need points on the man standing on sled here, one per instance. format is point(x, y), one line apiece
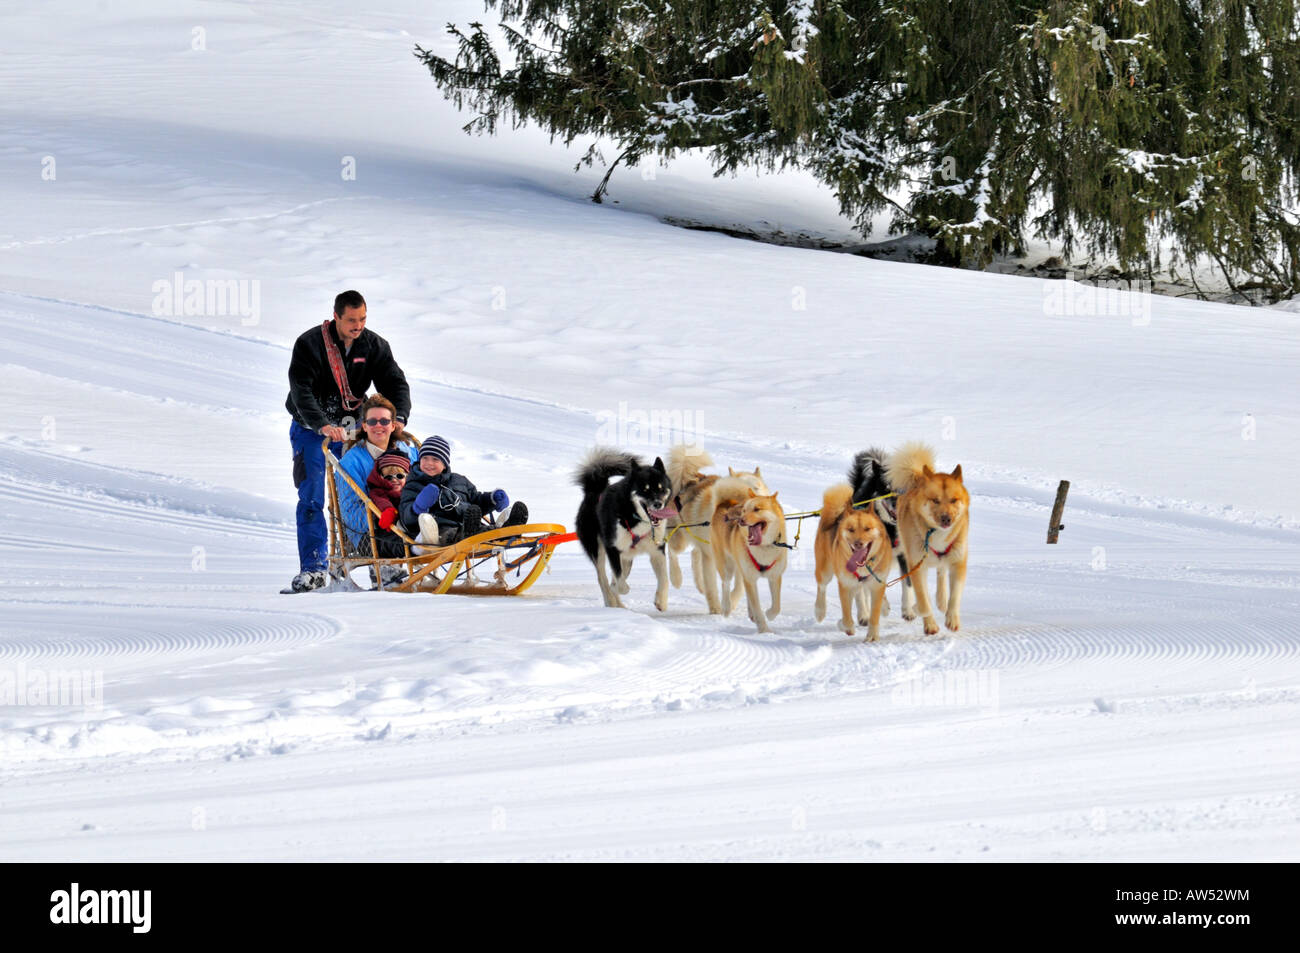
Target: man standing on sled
point(331, 368)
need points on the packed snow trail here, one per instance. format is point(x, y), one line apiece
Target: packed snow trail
point(1085, 710)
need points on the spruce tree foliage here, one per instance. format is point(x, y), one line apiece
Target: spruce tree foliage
point(1109, 126)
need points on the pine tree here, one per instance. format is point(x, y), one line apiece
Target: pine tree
point(1114, 125)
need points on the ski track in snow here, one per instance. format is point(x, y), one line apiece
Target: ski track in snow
point(1163, 631)
point(555, 655)
point(90, 635)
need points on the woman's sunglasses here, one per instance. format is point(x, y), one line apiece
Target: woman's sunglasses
point(379, 421)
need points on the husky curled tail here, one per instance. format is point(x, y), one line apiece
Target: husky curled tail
point(907, 464)
point(866, 464)
point(685, 463)
point(835, 502)
point(600, 464)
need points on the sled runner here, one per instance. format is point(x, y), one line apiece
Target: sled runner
point(499, 562)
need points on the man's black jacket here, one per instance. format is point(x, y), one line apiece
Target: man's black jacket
point(314, 398)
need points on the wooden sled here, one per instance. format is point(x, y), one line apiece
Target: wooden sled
point(500, 562)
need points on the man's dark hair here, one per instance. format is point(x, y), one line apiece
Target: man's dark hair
point(348, 299)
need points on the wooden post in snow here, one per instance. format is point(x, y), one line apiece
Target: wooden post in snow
point(1058, 510)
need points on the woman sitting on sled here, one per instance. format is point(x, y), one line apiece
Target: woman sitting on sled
point(375, 441)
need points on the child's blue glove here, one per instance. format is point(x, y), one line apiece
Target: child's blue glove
point(425, 499)
point(499, 500)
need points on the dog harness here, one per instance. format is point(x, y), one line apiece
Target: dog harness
point(864, 578)
point(757, 565)
point(635, 538)
point(935, 551)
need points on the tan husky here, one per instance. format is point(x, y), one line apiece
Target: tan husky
point(933, 522)
point(695, 496)
point(747, 534)
point(853, 549)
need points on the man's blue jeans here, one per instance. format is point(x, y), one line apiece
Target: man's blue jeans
point(309, 478)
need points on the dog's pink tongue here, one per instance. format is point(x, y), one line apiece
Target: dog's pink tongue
point(755, 534)
point(668, 512)
point(859, 558)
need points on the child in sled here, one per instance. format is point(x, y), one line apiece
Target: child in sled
point(384, 487)
point(444, 507)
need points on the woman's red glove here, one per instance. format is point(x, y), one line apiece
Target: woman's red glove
point(387, 518)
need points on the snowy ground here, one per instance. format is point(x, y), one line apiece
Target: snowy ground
point(1131, 693)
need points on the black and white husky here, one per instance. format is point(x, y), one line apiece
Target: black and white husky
point(867, 477)
point(620, 521)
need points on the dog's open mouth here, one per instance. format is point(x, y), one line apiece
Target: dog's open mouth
point(756, 533)
point(663, 513)
point(859, 557)
point(891, 507)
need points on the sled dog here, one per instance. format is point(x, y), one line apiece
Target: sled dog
point(867, 477)
point(694, 497)
point(747, 534)
point(853, 548)
point(619, 521)
point(933, 522)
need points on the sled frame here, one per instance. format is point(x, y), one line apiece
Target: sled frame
point(514, 555)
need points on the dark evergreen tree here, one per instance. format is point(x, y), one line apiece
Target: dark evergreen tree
point(1113, 125)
